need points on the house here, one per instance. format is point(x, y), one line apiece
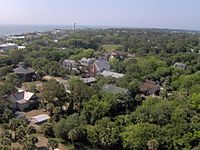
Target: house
point(101, 64)
point(23, 100)
point(25, 73)
point(117, 55)
point(86, 61)
point(89, 80)
point(97, 67)
point(106, 73)
point(8, 46)
point(40, 119)
point(149, 88)
point(70, 64)
point(179, 65)
point(114, 89)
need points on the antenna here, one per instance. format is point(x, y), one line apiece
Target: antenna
point(74, 26)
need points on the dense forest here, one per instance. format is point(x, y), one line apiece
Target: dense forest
point(85, 116)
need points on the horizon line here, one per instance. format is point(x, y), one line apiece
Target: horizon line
point(104, 26)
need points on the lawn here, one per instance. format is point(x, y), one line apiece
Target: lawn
point(35, 113)
point(111, 47)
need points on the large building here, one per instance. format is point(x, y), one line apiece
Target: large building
point(8, 46)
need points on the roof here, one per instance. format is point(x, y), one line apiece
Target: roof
point(114, 89)
point(23, 70)
point(69, 61)
point(112, 74)
point(180, 65)
point(8, 44)
point(40, 118)
point(102, 64)
point(89, 80)
point(150, 86)
point(22, 97)
point(86, 61)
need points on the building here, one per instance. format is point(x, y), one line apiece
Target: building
point(114, 89)
point(23, 100)
point(8, 46)
point(89, 80)
point(149, 88)
point(101, 64)
point(25, 73)
point(70, 64)
point(40, 119)
point(21, 47)
point(179, 65)
point(86, 61)
point(116, 75)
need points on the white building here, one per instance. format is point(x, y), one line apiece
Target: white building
point(8, 46)
point(21, 47)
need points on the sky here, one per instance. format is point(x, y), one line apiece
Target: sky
point(176, 14)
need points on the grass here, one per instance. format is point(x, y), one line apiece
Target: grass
point(111, 47)
point(35, 113)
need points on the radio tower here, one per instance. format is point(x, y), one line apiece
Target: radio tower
point(74, 26)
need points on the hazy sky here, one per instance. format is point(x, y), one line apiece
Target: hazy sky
point(184, 14)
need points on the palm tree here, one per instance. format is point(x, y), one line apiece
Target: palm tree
point(49, 108)
point(13, 125)
point(152, 145)
point(29, 142)
point(52, 143)
point(73, 135)
point(6, 138)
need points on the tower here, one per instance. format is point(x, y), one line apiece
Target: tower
point(74, 26)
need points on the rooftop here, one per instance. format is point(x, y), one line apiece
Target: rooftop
point(114, 89)
point(22, 96)
point(89, 80)
point(23, 70)
point(8, 44)
point(40, 118)
point(112, 74)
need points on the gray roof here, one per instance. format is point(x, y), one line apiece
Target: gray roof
point(73, 63)
point(106, 73)
point(89, 80)
point(23, 70)
point(114, 89)
point(22, 97)
point(40, 118)
point(102, 64)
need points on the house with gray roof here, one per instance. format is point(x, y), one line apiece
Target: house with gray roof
point(25, 73)
point(101, 64)
point(23, 100)
point(86, 61)
point(110, 88)
point(70, 64)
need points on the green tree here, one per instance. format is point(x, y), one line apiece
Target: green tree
point(137, 136)
point(95, 109)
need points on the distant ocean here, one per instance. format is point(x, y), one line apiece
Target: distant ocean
point(17, 29)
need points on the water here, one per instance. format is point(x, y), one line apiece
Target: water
point(17, 29)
